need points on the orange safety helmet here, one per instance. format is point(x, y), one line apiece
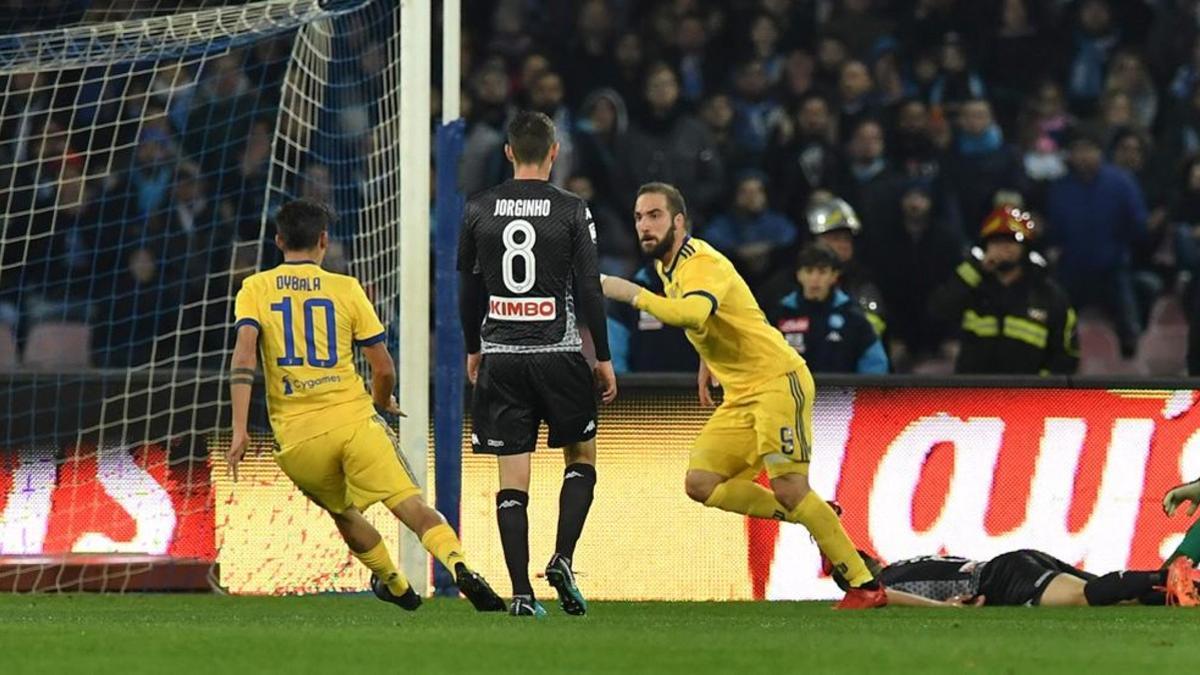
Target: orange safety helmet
point(1009, 222)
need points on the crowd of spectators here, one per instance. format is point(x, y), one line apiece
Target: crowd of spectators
point(922, 115)
point(919, 116)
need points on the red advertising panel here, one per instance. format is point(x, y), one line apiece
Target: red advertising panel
point(104, 500)
point(977, 472)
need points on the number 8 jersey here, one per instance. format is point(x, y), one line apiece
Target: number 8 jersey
point(309, 321)
point(527, 252)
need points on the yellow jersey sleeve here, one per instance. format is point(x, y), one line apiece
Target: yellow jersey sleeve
point(728, 329)
point(245, 308)
point(368, 330)
point(700, 287)
point(702, 275)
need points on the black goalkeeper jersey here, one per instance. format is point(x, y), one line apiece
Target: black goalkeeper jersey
point(527, 259)
point(934, 577)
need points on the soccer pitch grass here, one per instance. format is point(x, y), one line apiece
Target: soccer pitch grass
point(357, 634)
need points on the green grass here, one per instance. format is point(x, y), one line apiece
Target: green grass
point(172, 634)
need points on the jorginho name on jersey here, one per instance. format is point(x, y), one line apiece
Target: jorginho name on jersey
point(527, 250)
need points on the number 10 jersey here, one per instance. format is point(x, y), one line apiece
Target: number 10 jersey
point(309, 321)
point(527, 252)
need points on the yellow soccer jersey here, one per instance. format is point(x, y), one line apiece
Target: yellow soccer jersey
point(741, 349)
point(309, 321)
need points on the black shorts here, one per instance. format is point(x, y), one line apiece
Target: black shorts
point(515, 393)
point(1020, 577)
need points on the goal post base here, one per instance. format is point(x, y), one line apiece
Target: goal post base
point(107, 574)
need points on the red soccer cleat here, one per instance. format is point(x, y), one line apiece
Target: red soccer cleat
point(1181, 590)
point(863, 598)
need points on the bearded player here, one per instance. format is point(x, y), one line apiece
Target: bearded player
point(765, 419)
point(331, 443)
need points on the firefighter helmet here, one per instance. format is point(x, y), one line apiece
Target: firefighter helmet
point(832, 214)
point(1009, 222)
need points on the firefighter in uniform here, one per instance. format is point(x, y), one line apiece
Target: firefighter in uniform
point(1012, 317)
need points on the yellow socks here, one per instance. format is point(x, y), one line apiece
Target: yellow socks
point(821, 521)
point(748, 497)
point(379, 561)
point(443, 544)
point(752, 499)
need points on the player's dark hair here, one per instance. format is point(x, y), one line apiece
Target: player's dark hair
point(301, 222)
point(675, 203)
point(530, 136)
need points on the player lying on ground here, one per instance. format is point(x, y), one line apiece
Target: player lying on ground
point(331, 443)
point(1025, 577)
point(527, 256)
point(766, 417)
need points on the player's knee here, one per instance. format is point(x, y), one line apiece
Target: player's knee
point(341, 520)
point(417, 515)
point(789, 493)
point(699, 486)
point(583, 451)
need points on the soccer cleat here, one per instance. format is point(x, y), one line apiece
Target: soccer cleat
point(864, 598)
point(476, 588)
point(1181, 590)
point(409, 600)
point(560, 576)
point(526, 605)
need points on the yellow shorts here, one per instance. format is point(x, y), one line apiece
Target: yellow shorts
point(770, 426)
point(356, 465)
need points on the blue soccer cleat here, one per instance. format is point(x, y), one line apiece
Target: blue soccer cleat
point(562, 578)
point(526, 605)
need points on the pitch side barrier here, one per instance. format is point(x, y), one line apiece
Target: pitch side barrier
point(969, 465)
point(974, 466)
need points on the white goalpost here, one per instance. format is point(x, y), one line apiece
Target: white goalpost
point(415, 44)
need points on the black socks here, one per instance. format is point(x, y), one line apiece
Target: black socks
point(574, 501)
point(513, 520)
point(1117, 587)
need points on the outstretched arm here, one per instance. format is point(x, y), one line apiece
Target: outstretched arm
point(690, 311)
point(902, 599)
point(703, 287)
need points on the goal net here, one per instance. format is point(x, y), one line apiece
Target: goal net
point(143, 150)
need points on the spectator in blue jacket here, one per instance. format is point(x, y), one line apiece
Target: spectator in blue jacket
point(1097, 213)
point(752, 235)
point(823, 323)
